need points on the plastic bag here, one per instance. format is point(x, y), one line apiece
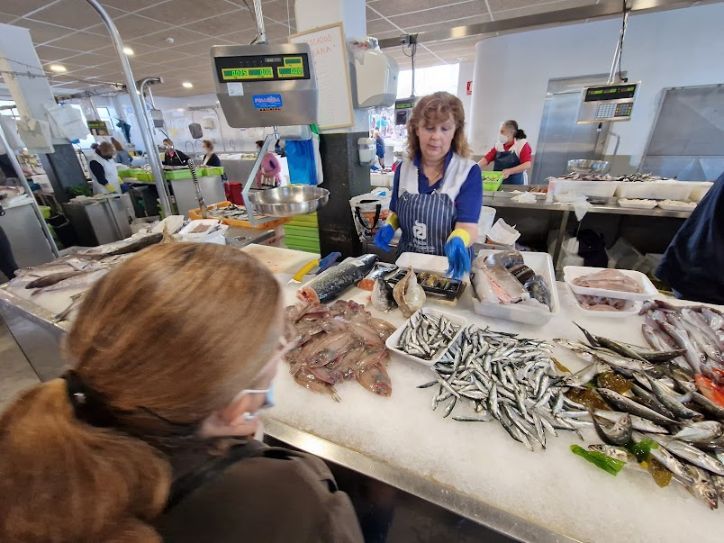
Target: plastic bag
point(301, 161)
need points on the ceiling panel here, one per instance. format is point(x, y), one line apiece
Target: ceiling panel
point(157, 40)
point(224, 24)
point(21, 7)
point(162, 56)
point(508, 9)
point(7, 17)
point(374, 28)
point(198, 48)
point(77, 14)
point(42, 32)
point(133, 26)
point(483, 18)
point(47, 53)
point(398, 7)
point(131, 5)
point(440, 15)
point(138, 49)
point(277, 10)
point(81, 41)
point(181, 12)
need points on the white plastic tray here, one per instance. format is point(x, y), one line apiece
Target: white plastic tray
point(635, 203)
point(421, 262)
point(391, 342)
point(541, 264)
point(655, 190)
point(675, 205)
point(558, 187)
point(632, 310)
point(699, 189)
point(572, 272)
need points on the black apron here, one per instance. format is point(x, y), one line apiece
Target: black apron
point(505, 160)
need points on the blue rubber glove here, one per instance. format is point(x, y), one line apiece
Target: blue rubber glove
point(458, 254)
point(384, 237)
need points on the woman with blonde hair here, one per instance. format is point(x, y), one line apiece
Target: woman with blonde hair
point(437, 191)
point(149, 436)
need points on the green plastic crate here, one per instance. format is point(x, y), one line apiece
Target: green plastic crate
point(301, 231)
point(304, 220)
point(213, 170)
point(492, 180)
point(301, 244)
point(175, 175)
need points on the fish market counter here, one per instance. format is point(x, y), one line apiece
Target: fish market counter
point(473, 469)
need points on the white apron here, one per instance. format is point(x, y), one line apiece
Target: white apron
point(111, 172)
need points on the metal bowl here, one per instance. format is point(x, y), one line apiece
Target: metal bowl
point(289, 200)
point(583, 165)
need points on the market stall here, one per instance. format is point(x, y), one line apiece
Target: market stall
point(472, 468)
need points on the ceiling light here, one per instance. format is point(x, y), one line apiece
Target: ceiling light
point(58, 68)
point(187, 85)
point(128, 51)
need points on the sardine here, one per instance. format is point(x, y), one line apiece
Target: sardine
point(682, 339)
point(708, 406)
point(690, 453)
point(672, 404)
point(700, 432)
point(632, 407)
point(334, 281)
point(618, 434)
point(668, 460)
point(703, 486)
point(637, 423)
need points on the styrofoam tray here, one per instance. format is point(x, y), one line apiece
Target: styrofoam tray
point(541, 264)
point(632, 310)
point(675, 205)
point(392, 341)
point(635, 203)
point(558, 187)
point(699, 189)
point(655, 190)
point(421, 262)
point(572, 272)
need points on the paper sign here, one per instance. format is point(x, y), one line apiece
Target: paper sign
point(235, 89)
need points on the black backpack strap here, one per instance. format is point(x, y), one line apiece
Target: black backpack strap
point(208, 471)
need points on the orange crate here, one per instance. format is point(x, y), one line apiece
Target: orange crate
point(195, 214)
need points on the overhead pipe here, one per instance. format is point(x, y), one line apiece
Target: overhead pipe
point(138, 109)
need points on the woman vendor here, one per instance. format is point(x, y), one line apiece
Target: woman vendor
point(437, 191)
point(511, 155)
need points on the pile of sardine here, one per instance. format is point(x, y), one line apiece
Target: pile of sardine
point(492, 375)
point(645, 395)
point(426, 334)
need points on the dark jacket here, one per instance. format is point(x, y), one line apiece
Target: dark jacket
point(179, 158)
point(693, 264)
point(213, 162)
point(276, 495)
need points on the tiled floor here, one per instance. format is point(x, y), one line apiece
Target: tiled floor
point(15, 372)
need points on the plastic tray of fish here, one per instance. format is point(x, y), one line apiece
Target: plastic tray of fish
point(434, 284)
point(630, 308)
point(648, 290)
point(525, 312)
point(456, 326)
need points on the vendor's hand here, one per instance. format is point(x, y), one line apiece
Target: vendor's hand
point(384, 237)
point(506, 173)
point(458, 254)
point(110, 188)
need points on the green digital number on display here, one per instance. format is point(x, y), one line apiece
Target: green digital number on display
point(247, 74)
point(292, 60)
point(289, 71)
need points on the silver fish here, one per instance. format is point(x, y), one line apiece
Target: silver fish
point(703, 487)
point(690, 453)
point(700, 432)
point(682, 339)
point(614, 452)
point(632, 407)
point(334, 281)
point(382, 298)
point(669, 461)
point(638, 423)
point(618, 434)
point(672, 404)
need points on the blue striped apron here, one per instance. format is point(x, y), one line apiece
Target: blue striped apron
point(426, 221)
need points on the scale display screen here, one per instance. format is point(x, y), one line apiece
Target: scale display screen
point(262, 68)
point(610, 92)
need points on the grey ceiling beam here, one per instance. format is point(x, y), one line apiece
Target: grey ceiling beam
point(605, 8)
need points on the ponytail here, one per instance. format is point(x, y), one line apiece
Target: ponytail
point(517, 132)
point(66, 481)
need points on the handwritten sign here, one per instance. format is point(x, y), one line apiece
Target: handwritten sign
point(331, 66)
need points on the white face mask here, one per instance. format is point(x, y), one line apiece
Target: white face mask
point(502, 138)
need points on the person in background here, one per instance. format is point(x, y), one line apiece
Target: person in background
point(123, 449)
point(210, 158)
point(104, 174)
point(437, 192)
point(172, 157)
point(122, 156)
point(270, 170)
point(511, 155)
point(380, 148)
point(693, 264)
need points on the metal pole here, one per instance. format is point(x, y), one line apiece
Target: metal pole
point(26, 186)
point(618, 51)
point(143, 87)
point(138, 109)
point(259, 22)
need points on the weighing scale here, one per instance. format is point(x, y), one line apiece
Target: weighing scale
point(403, 110)
point(267, 85)
point(606, 103)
